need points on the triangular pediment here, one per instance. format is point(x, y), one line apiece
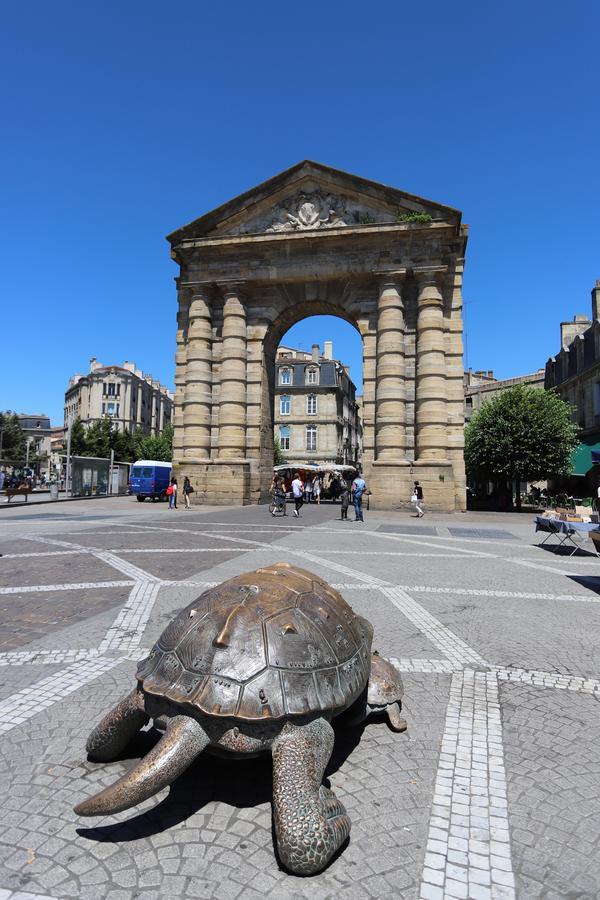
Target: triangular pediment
point(311, 196)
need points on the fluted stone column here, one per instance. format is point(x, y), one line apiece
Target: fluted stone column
point(431, 416)
point(180, 364)
point(390, 416)
point(369, 347)
point(197, 401)
point(232, 401)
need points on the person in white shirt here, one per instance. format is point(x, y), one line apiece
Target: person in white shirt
point(298, 492)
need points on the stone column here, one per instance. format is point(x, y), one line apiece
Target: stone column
point(232, 400)
point(180, 363)
point(431, 416)
point(197, 401)
point(390, 415)
point(369, 343)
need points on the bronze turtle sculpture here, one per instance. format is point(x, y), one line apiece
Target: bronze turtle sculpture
point(261, 663)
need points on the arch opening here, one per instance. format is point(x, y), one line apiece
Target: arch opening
point(315, 388)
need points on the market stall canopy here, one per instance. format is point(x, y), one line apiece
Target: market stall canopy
point(582, 458)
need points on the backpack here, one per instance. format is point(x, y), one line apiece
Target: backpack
point(169, 490)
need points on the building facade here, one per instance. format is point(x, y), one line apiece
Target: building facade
point(316, 414)
point(481, 386)
point(38, 434)
point(316, 241)
point(575, 374)
point(124, 394)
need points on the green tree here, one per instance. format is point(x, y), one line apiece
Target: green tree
point(278, 454)
point(522, 434)
point(154, 446)
point(99, 437)
point(78, 441)
point(13, 438)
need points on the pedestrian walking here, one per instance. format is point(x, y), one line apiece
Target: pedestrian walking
point(187, 490)
point(359, 486)
point(417, 499)
point(308, 491)
point(316, 487)
point(345, 498)
point(298, 492)
point(172, 493)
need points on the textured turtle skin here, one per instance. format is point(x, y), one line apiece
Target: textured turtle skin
point(272, 644)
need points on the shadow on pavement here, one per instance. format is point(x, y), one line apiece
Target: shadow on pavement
point(239, 783)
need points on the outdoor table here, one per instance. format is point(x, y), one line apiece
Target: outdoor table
point(565, 531)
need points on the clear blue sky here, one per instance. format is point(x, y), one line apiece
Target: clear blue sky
point(122, 121)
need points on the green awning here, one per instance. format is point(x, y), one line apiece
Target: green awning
point(581, 458)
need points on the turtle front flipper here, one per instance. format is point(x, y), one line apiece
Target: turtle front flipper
point(310, 822)
point(117, 728)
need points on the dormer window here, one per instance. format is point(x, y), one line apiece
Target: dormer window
point(312, 376)
point(285, 376)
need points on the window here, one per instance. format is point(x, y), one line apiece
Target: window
point(285, 405)
point(311, 437)
point(311, 405)
point(285, 376)
point(111, 390)
point(284, 437)
point(118, 387)
point(312, 376)
point(110, 409)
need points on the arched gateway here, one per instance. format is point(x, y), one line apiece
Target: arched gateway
point(309, 241)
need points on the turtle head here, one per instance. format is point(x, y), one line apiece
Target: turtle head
point(385, 691)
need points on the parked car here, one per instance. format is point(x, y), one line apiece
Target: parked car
point(150, 478)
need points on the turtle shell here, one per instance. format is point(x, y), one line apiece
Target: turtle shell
point(273, 643)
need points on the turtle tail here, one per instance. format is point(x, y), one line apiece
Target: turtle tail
point(184, 739)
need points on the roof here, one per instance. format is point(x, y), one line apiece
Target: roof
point(331, 178)
point(152, 462)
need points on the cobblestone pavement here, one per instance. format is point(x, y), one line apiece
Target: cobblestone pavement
point(492, 793)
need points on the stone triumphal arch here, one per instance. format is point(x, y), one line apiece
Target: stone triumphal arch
point(315, 240)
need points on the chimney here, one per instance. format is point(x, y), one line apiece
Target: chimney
point(94, 364)
point(490, 374)
point(328, 347)
point(316, 352)
point(130, 366)
point(570, 330)
point(596, 301)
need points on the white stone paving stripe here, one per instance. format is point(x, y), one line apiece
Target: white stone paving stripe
point(477, 592)
point(424, 665)
point(557, 680)
point(325, 552)
point(126, 631)
point(455, 649)
point(468, 847)
point(122, 565)
point(76, 586)
point(43, 553)
point(44, 657)
point(25, 704)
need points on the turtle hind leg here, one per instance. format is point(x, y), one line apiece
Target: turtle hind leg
point(117, 728)
point(310, 822)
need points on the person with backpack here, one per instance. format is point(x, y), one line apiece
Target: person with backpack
point(345, 498)
point(417, 499)
point(172, 493)
point(187, 490)
point(359, 486)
